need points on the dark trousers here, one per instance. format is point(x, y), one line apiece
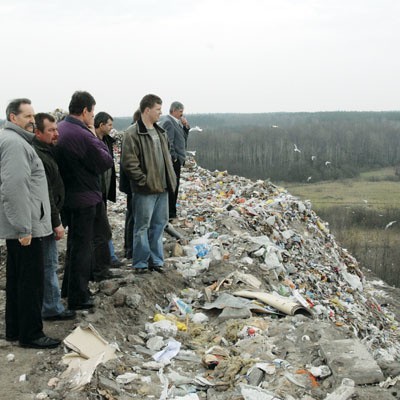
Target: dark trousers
point(128, 234)
point(101, 237)
point(24, 290)
point(173, 195)
point(79, 256)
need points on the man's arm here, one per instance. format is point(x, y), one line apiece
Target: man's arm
point(98, 158)
point(168, 125)
point(58, 228)
point(186, 127)
point(14, 189)
point(130, 161)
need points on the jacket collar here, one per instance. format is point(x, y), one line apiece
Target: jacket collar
point(76, 121)
point(143, 130)
point(174, 120)
point(28, 136)
point(42, 145)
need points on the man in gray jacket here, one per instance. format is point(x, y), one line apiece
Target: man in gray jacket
point(24, 221)
point(177, 128)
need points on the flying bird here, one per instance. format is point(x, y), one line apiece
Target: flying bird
point(196, 129)
point(297, 149)
point(274, 126)
point(390, 224)
point(313, 158)
point(327, 163)
point(309, 178)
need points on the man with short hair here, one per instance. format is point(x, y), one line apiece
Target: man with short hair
point(81, 157)
point(103, 246)
point(177, 128)
point(125, 187)
point(46, 135)
point(24, 221)
point(147, 163)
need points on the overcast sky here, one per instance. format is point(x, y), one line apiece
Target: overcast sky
point(212, 55)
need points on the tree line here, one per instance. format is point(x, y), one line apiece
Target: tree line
point(294, 147)
point(297, 147)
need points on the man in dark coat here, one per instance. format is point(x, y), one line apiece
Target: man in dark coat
point(82, 157)
point(46, 135)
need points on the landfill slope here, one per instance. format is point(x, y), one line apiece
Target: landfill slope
point(240, 236)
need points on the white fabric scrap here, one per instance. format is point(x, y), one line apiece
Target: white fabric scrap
point(169, 352)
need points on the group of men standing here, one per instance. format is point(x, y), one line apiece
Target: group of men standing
point(44, 187)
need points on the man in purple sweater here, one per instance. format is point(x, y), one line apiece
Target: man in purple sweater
point(82, 157)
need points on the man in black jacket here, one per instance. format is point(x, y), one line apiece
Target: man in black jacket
point(46, 135)
point(103, 245)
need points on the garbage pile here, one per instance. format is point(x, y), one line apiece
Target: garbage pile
point(260, 291)
point(260, 225)
point(258, 302)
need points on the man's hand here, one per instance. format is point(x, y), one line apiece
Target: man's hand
point(185, 122)
point(91, 129)
point(25, 241)
point(59, 232)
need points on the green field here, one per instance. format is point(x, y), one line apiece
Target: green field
point(358, 210)
point(377, 190)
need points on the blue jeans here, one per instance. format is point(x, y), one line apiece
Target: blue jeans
point(113, 256)
point(151, 217)
point(51, 291)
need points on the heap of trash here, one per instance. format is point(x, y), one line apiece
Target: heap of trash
point(257, 302)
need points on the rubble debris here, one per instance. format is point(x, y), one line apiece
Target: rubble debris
point(246, 237)
point(348, 358)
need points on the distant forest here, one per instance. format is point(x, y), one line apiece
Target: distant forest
point(295, 147)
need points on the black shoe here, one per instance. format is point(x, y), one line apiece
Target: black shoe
point(43, 342)
point(157, 268)
point(82, 306)
point(66, 314)
point(11, 338)
point(141, 270)
point(117, 264)
point(106, 277)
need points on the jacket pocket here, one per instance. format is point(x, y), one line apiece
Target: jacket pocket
point(41, 211)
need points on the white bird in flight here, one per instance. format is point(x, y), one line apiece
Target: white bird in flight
point(309, 178)
point(327, 163)
point(297, 149)
point(313, 158)
point(196, 129)
point(390, 224)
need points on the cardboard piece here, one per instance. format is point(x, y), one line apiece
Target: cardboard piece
point(89, 350)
